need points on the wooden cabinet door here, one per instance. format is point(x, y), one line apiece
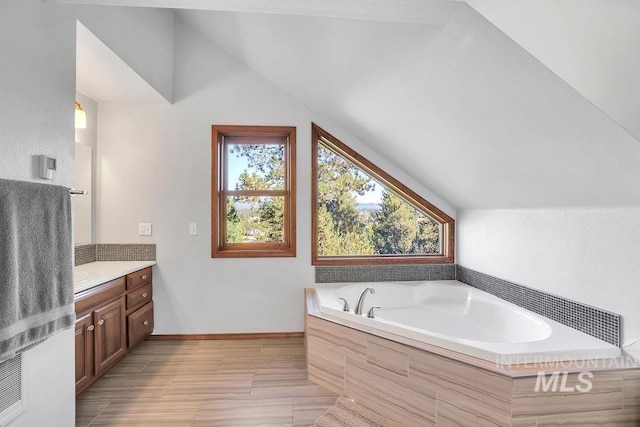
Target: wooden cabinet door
point(84, 351)
point(110, 334)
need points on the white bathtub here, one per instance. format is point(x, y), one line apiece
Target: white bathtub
point(459, 317)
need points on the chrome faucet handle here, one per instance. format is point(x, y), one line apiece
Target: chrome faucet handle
point(345, 306)
point(370, 313)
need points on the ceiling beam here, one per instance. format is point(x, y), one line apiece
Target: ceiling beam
point(436, 12)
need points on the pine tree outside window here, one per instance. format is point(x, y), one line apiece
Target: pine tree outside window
point(253, 191)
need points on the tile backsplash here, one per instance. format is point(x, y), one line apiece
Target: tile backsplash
point(591, 320)
point(114, 252)
point(384, 273)
point(84, 254)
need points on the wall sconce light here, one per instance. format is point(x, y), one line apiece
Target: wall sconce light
point(81, 117)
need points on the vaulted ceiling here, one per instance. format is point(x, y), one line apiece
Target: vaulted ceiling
point(447, 96)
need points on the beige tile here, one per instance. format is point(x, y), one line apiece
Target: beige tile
point(199, 386)
point(307, 409)
point(120, 388)
point(619, 418)
point(337, 338)
point(631, 389)
point(249, 411)
point(220, 375)
point(326, 373)
point(461, 414)
point(397, 398)
point(150, 413)
point(462, 382)
point(524, 422)
point(87, 410)
point(605, 394)
point(286, 385)
point(388, 355)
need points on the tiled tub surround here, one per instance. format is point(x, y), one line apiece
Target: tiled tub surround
point(424, 385)
point(456, 316)
point(85, 254)
point(593, 321)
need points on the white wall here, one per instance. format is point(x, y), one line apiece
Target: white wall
point(154, 165)
point(37, 87)
point(584, 254)
point(141, 37)
point(37, 90)
point(593, 45)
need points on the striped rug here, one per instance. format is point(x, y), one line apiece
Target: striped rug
point(347, 413)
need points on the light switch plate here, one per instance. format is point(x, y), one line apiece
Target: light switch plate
point(193, 228)
point(144, 229)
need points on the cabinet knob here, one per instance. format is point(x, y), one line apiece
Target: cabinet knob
point(101, 322)
point(90, 328)
point(146, 323)
point(144, 295)
point(144, 277)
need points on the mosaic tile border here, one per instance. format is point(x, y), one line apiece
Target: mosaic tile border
point(125, 252)
point(384, 273)
point(85, 254)
point(593, 321)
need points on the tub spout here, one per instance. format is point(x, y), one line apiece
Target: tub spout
point(361, 299)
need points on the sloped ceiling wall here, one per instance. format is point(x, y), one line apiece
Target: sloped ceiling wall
point(444, 94)
point(593, 45)
point(459, 106)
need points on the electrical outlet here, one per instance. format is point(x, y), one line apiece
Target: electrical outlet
point(144, 229)
point(193, 228)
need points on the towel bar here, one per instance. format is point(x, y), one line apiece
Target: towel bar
point(74, 192)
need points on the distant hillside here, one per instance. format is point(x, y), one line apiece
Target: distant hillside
point(361, 207)
point(369, 207)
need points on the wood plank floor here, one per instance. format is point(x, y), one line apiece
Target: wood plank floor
point(207, 383)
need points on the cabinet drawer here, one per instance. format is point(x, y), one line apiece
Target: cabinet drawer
point(140, 324)
point(99, 294)
point(138, 278)
point(139, 297)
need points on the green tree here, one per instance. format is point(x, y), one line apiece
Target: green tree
point(340, 228)
point(266, 162)
point(235, 231)
point(395, 226)
point(399, 228)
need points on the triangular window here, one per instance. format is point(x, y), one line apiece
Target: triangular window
point(362, 215)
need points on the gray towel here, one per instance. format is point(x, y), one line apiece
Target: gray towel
point(36, 267)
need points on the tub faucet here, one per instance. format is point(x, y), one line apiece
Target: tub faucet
point(361, 300)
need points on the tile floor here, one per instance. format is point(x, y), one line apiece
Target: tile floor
point(207, 383)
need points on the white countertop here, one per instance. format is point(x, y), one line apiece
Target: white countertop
point(96, 273)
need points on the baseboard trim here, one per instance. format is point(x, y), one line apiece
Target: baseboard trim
point(247, 336)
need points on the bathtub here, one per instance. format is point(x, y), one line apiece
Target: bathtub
point(461, 318)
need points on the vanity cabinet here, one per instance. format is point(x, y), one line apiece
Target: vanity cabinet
point(139, 306)
point(111, 319)
point(84, 351)
point(110, 335)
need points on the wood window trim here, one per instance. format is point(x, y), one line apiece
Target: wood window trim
point(219, 247)
point(447, 223)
